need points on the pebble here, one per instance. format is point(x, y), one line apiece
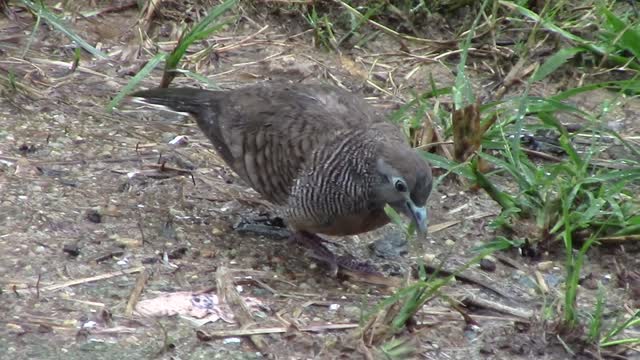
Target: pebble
point(487, 265)
point(391, 245)
point(429, 258)
point(545, 265)
point(126, 242)
point(450, 243)
point(352, 312)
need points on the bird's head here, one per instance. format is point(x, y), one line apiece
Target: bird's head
point(405, 183)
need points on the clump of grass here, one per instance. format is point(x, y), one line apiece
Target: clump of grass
point(383, 325)
point(42, 12)
point(199, 31)
point(322, 29)
point(609, 44)
point(607, 335)
point(143, 73)
point(577, 201)
point(13, 83)
point(205, 27)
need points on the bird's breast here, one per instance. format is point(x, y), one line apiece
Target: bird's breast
point(345, 225)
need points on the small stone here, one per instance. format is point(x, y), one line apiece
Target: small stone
point(545, 265)
point(449, 243)
point(352, 312)
point(392, 244)
point(127, 242)
point(304, 286)
point(429, 258)
point(487, 265)
point(71, 249)
point(94, 216)
point(232, 340)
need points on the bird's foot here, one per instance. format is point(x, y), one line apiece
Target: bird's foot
point(335, 263)
point(263, 226)
point(318, 250)
point(353, 265)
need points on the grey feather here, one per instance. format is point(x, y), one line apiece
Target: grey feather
point(315, 150)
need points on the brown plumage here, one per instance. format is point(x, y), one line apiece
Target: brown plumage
point(323, 155)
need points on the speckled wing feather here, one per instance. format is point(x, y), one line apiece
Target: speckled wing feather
point(267, 133)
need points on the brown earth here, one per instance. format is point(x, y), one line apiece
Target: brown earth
point(75, 203)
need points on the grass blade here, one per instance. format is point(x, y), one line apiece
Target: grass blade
point(200, 31)
point(629, 39)
point(135, 80)
point(554, 62)
point(57, 23)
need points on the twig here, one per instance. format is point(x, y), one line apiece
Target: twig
point(268, 58)
point(375, 279)
point(236, 45)
point(136, 292)
point(278, 330)
point(110, 9)
point(92, 279)
point(506, 309)
point(67, 65)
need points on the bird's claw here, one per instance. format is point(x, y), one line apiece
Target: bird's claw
point(321, 253)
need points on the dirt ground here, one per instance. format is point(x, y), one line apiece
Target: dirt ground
point(86, 213)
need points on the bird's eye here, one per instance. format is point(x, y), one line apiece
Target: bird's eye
point(400, 186)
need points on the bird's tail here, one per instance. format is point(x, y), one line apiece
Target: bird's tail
point(181, 100)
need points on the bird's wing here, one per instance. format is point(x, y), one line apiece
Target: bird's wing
point(266, 133)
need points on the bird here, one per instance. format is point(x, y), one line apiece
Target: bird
point(326, 158)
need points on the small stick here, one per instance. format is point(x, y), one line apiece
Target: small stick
point(505, 309)
point(136, 292)
point(278, 330)
point(233, 46)
point(38, 286)
point(541, 282)
point(93, 278)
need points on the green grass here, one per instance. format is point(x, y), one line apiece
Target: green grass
point(201, 30)
point(579, 200)
point(42, 12)
point(322, 29)
point(572, 204)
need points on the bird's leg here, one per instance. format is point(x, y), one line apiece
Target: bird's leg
point(319, 252)
point(322, 253)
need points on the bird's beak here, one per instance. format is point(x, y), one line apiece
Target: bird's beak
point(419, 215)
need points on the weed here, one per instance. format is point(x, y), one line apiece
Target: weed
point(201, 30)
point(41, 11)
point(322, 29)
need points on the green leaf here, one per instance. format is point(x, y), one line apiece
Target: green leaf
point(629, 38)
point(135, 80)
point(444, 163)
point(57, 23)
point(554, 62)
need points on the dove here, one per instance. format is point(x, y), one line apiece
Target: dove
point(326, 159)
